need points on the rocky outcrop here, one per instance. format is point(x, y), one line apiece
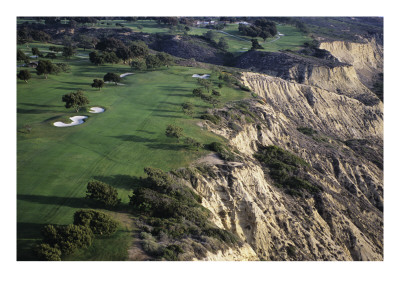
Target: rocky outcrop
point(344, 221)
point(366, 58)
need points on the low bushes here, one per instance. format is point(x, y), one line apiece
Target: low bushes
point(102, 193)
point(287, 170)
point(59, 240)
point(98, 222)
point(223, 151)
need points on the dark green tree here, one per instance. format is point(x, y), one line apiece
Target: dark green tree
point(51, 55)
point(188, 108)
point(209, 35)
point(192, 143)
point(35, 51)
point(110, 57)
point(46, 67)
point(112, 77)
point(139, 49)
point(152, 61)
point(24, 75)
point(215, 93)
point(204, 83)
point(255, 45)
point(47, 253)
point(138, 64)
point(68, 51)
point(164, 58)
point(223, 44)
point(197, 92)
point(96, 58)
point(67, 238)
point(124, 53)
point(102, 193)
point(98, 222)
point(97, 83)
point(76, 100)
point(21, 56)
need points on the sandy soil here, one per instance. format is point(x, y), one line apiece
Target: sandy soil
point(125, 74)
point(210, 159)
point(96, 110)
point(76, 120)
point(205, 76)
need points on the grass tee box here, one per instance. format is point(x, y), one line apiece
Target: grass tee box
point(54, 164)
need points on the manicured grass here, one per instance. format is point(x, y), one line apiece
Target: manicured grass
point(55, 164)
point(293, 39)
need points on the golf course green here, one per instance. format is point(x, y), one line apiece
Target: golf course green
point(54, 164)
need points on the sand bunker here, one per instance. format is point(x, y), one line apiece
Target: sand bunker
point(205, 76)
point(125, 74)
point(96, 110)
point(113, 83)
point(76, 120)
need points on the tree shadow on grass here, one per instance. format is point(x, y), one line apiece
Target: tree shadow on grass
point(161, 146)
point(145, 131)
point(134, 138)
point(34, 111)
point(38, 105)
point(121, 181)
point(28, 235)
point(62, 201)
point(78, 83)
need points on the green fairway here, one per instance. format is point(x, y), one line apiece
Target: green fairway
point(292, 39)
point(54, 164)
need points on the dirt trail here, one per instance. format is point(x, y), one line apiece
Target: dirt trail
point(135, 251)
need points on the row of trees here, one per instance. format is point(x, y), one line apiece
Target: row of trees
point(113, 50)
point(261, 28)
point(44, 67)
point(137, 54)
point(206, 85)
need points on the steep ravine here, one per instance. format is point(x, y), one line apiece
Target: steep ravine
point(342, 222)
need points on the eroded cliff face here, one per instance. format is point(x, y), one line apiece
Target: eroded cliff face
point(337, 77)
point(366, 58)
point(344, 221)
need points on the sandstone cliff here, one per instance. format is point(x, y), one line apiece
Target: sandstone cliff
point(333, 76)
point(366, 58)
point(344, 221)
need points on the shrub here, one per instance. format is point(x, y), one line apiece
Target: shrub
point(67, 238)
point(171, 252)
point(197, 92)
point(287, 170)
point(224, 152)
point(138, 64)
point(212, 118)
point(47, 252)
point(98, 222)
point(307, 131)
point(192, 143)
point(102, 193)
point(174, 131)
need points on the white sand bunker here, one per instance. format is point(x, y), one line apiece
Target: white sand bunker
point(125, 74)
point(96, 110)
point(108, 82)
point(205, 76)
point(76, 120)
